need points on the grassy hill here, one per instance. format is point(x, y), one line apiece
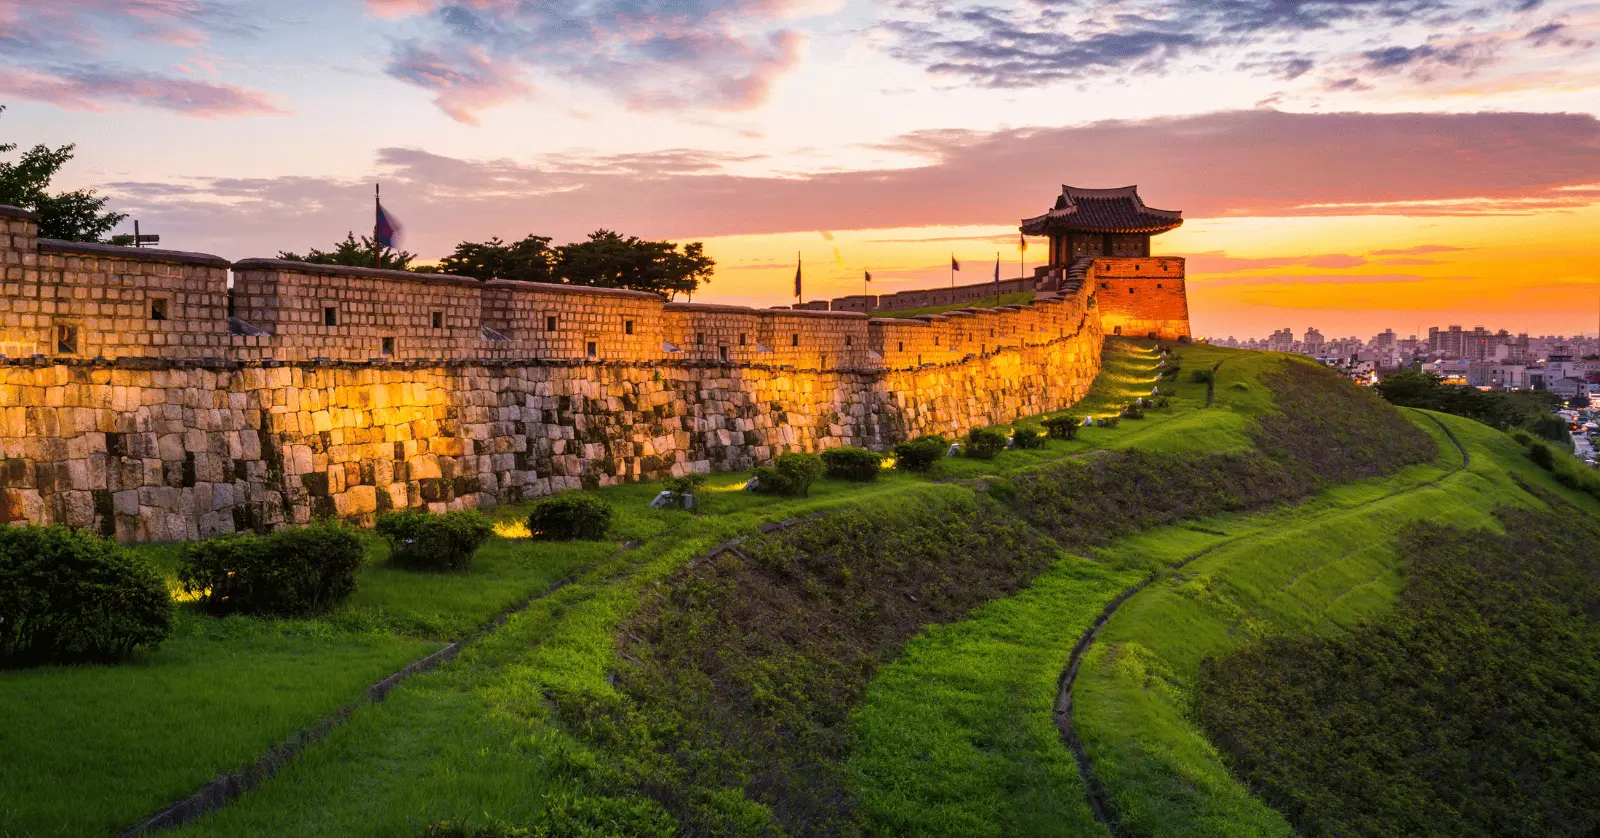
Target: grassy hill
point(893, 667)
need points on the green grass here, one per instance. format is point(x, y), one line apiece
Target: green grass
point(477, 738)
point(1013, 299)
point(956, 738)
point(1316, 568)
point(93, 748)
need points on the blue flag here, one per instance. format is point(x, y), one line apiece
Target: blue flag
point(388, 228)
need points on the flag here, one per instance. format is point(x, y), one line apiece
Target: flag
point(1023, 239)
point(869, 275)
point(388, 228)
point(954, 265)
point(797, 276)
point(997, 269)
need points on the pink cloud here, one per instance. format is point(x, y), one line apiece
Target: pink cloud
point(1423, 249)
point(54, 52)
point(463, 83)
point(649, 54)
point(92, 89)
point(1248, 163)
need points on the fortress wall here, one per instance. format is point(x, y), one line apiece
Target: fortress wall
point(151, 450)
point(27, 306)
point(717, 333)
point(188, 428)
point(1142, 296)
point(413, 316)
point(136, 302)
point(615, 323)
point(816, 339)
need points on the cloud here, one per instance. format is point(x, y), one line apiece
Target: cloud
point(53, 52)
point(651, 54)
point(1049, 41)
point(1237, 163)
point(93, 88)
point(1419, 250)
point(1217, 262)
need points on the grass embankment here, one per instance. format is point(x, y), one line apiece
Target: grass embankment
point(1013, 299)
point(90, 749)
point(1472, 710)
point(1320, 569)
point(957, 736)
point(477, 740)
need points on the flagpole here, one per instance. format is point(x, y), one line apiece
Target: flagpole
point(377, 214)
point(997, 279)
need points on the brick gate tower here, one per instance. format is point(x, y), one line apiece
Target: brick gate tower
point(1103, 236)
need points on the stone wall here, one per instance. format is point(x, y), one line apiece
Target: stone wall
point(147, 449)
point(441, 392)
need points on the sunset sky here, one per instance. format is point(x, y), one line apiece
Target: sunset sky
point(1347, 164)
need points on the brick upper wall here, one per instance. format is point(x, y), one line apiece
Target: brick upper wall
point(1141, 297)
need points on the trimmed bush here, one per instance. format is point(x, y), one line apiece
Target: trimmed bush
point(685, 485)
point(434, 542)
point(985, 443)
point(1202, 376)
point(921, 453)
point(851, 463)
point(1062, 427)
point(1133, 411)
point(290, 573)
point(1027, 439)
point(1107, 421)
point(790, 474)
point(69, 597)
point(570, 515)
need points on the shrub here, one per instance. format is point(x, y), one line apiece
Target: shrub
point(1202, 376)
point(1133, 411)
point(1062, 427)
point(921, 453)
point(1172, 371)
point(1027, 439)
point(851, 463)
point(1107, 421)
point(790, 474)
point(984, 443)
point(570, 515)
point(68, 597)
point(435, 542)
point(292, 572)
point(685, 485)
point(1542, 456)
point(1163, 401)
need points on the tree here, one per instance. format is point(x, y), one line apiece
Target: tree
point(354, 253)
point(74, 216)
point(611, 260)
point(529, 260)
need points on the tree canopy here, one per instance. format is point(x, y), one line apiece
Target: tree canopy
point(530, 260)
point(1533, 410)
point(354, 253)
point(78, 215)
point(605, 259)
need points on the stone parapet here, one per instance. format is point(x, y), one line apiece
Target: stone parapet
point(162, 449)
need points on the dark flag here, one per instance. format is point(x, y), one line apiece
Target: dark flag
point(388, 228)
point(954, 265)
point(797, 275)
point(869, 275)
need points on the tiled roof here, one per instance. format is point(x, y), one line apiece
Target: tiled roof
point(1101, 211)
